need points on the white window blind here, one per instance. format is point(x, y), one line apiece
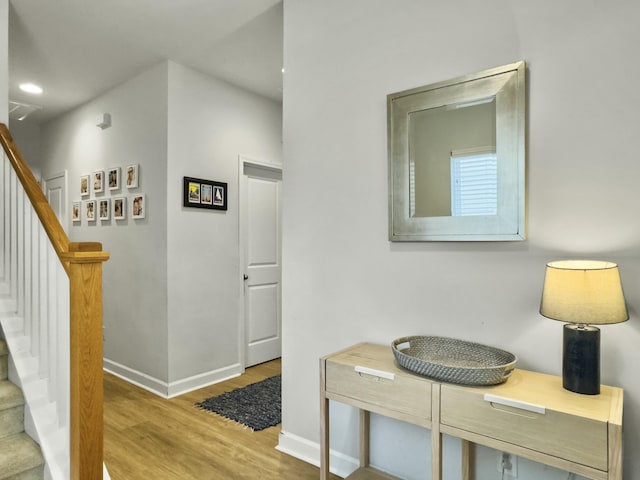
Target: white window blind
point(474, 183)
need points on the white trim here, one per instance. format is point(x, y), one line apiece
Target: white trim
point(173, 389)
point(243, 159)
point(242, 247)
point(204, 380)
point(64, 208)
point(242, 251)
point(139, 379)
point(308, 451)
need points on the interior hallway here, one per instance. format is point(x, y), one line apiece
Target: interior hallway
point(147, 437)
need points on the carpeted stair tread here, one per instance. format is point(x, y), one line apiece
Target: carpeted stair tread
point(10, 395)
point(20, 458)
point(11, 410)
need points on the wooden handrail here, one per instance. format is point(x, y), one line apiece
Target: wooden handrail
point(83, 264)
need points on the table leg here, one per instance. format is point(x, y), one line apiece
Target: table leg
point(364, 438)
point(467, 470)
point(436, 435)
point(324, 425)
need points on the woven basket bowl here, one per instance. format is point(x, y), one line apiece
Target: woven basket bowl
point(454, 361)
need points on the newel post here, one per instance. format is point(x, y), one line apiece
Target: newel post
point(86, 377)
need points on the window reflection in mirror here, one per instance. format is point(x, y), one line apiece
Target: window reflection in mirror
point(434, 134)
point(474, 182)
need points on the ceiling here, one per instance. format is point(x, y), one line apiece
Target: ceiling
point(78, 49)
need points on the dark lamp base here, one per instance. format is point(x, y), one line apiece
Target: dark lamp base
point(581, 359)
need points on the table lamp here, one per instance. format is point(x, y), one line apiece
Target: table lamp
point(583, 293)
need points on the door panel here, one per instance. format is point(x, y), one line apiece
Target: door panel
point(263, 315)
point(261, 240)
point(263, 222)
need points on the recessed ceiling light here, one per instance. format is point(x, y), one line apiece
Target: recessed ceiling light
point(31, 88)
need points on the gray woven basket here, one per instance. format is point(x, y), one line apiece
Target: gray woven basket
point(454, 361)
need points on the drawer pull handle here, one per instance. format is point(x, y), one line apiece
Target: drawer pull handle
point(375, 373)
point(514, 403)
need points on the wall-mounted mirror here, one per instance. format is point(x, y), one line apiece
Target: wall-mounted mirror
point(457, 158)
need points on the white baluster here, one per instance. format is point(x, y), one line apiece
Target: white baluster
point(5, 219)
point(43, 345)
point(35, 285)
point(28, 279)
point(64, 347)
point(20, 207)
point(52, 347)
point(13, 269)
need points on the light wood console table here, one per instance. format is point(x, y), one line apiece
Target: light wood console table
point(530, 415)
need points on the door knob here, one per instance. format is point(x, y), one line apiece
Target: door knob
point(246, 277)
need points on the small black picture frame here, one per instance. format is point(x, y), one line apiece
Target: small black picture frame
point(200, 193)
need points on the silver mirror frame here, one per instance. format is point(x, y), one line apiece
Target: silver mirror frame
point(507, 85)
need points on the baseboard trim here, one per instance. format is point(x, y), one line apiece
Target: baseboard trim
point(173, 389)
point(139, 379)
point(308, 451)
point(204, 380)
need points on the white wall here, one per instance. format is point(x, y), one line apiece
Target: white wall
point(172, 286)
point(4, 62)
point(210, 123)
point(135, 277)
point(345, 283)
point(27, 137)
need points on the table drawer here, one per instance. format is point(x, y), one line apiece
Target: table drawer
point(395, 391)
point(578, 439)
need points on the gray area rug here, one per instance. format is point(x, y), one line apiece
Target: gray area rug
point(257, 406)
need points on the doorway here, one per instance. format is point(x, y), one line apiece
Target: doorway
point(55, 188)
point(260, 260)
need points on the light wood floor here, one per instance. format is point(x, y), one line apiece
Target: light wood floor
point(150, 438)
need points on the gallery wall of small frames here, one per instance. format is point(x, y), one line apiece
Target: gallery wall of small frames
point(108, 194)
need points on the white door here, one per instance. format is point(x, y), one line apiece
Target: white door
point(260, 253)
point(56, 192)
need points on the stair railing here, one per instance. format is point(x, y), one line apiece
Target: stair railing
point(29, 221)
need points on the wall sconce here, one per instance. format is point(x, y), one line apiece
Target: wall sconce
point(103, 121)
point(583, 293)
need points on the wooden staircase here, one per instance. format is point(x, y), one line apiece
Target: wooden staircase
point(51, 319)
point(20, 456)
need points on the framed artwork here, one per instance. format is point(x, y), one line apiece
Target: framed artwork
point(90, 210)
point(98, 181)
point(84, 185)
point(75, 212)
point(138, 206)
point(206, 194)
point(200, 193)
point(120, 208)
point(132, 172)
point(104, 207)
point(114, 178)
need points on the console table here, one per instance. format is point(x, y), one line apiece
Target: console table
point(530, 415)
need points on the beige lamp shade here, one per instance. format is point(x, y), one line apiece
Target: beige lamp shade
point(583, 291)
